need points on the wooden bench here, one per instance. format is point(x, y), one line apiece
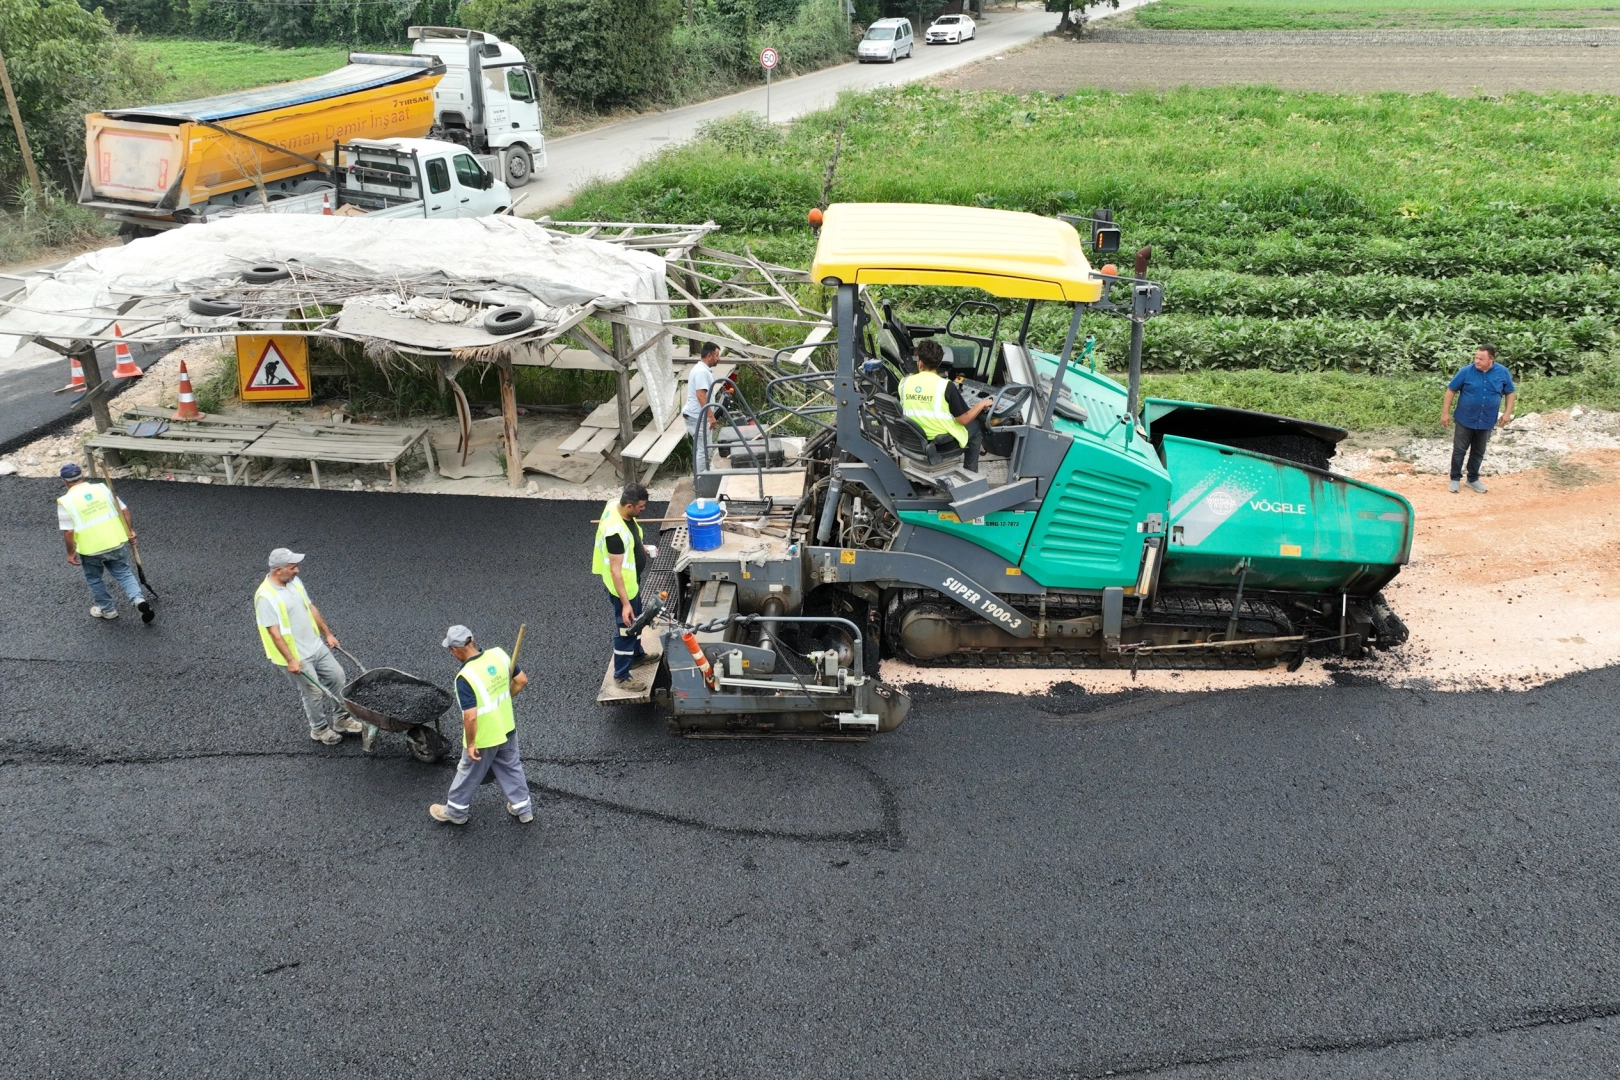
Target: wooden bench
point(652, 445)
point(226, 439)
point(349, 444)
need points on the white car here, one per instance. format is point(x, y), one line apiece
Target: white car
point(951, 30)
point(886, 40)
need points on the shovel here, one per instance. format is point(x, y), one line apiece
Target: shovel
point(135, 549)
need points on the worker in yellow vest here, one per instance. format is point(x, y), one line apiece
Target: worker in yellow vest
point(297, 640)
point(936, 404)
point(97, 529)
point(485, 686)
point(619, 558)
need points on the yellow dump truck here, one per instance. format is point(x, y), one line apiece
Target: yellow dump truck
point(166, 165)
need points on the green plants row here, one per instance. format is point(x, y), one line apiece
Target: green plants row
point(1377, 296)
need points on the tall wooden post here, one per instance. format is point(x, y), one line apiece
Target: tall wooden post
point(627, 429)
point(85, 352)
point(514, 449)
point(16, 122)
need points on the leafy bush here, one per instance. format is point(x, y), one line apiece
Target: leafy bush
point(306, 22)
point(64, 61)
point(40, 221)
point(591, 52)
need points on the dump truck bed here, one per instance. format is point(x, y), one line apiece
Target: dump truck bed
point(163, 159)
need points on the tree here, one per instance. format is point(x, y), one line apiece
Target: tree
point(1067, 25)
point(64, 62)
point(592, 52)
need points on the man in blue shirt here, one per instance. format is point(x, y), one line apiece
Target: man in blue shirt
point(1479, 389)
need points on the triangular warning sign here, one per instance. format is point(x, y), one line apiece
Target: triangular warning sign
point(272, 372)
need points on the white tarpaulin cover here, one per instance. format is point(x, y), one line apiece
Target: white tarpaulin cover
point(513, 260)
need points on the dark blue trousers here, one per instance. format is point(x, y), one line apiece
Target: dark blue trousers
point(626, 650)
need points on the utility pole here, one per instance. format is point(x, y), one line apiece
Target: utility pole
point(16, 122)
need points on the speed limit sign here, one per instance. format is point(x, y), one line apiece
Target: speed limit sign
point(767, 58)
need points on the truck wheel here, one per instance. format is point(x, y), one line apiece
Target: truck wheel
point(519, 166)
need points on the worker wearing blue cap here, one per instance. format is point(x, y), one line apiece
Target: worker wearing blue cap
point(97, 529)
point(484, 687)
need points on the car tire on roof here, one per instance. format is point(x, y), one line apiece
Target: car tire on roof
point(214, 305)
point(509, 320)
point(265, 273)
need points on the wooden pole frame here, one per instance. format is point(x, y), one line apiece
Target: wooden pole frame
point(16, 122)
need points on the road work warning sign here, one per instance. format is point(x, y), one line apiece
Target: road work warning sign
point(272, 368)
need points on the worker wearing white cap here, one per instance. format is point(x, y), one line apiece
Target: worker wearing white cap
point(297, 639)
point(484, 687)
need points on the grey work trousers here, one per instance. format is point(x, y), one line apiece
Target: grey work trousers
point(699, 430)
point(508, 768)
point(317, 706)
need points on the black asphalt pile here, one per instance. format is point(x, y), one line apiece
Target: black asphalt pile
point(399, 697)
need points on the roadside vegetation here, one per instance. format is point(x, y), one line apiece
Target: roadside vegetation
point(1370, 14)
point(1375, 237)
point(194, 69)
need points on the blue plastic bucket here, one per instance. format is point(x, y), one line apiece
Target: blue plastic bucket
point(703, 519)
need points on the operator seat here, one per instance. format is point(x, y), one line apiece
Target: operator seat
point(907, 437)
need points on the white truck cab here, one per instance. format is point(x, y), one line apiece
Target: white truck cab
point(488, 100)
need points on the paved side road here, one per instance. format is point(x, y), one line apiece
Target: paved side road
point(611, 151)
point(1346, 882)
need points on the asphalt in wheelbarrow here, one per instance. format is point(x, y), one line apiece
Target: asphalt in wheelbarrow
point(404, 700)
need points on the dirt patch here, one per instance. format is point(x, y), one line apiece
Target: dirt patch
point(1505, 591)
point(1059, 66)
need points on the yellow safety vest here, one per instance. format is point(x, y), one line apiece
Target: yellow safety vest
point(268, 591)
point(922, 396)
point(97, 525)
point(490, 676)
point(614, 525)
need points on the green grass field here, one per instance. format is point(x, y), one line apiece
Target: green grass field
point(1371, 14)
point(1371, 239)
point(204, 68)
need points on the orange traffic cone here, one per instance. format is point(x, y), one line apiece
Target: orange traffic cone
point(326, 203)
point(125, 368)
point(188, 401)
point(76, 375)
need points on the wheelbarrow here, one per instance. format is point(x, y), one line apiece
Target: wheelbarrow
point(423, 703)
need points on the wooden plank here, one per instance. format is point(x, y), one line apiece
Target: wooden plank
point(576, 441)
point(579, 360)
point(644, 440)
point(607, 413)
point(666, 444)
point(602, 440)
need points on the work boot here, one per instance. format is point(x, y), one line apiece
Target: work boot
point(1455, 486)
point(326, 736)
point(144, 606)
point(347, 725)
point(525, 815)
point(368, 738)
point(631, 685)
point(440, 812)
point(1475, 485)
point(97, 612)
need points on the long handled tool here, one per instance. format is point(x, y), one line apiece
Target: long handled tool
point(135, 549)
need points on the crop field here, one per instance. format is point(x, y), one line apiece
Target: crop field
point(1378, 235)
point(204, 68)
point(1370, 14)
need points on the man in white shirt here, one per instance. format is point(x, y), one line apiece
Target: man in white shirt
point(699, 385)
point(297, 640)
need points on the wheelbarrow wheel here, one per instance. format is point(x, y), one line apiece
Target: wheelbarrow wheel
point(427, 745)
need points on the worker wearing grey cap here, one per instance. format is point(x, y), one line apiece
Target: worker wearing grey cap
point(484, 687)
point(297, 639)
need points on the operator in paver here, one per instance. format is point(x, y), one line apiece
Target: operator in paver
point(97, 529)
point(485, 686)
point(699, 388)
point(936, 404)
point(1480, 388)
point(619, 558)
point(297, 639)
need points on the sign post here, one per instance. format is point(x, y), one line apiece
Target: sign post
point(768, 59)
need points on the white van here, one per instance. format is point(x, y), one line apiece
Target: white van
point(887, 40)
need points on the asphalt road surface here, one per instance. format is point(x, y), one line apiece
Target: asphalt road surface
point(28, 407)
point(1349, 882)
point(610, 151)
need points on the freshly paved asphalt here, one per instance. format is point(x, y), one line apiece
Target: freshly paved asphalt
point(1346, 882)
point(28, 407)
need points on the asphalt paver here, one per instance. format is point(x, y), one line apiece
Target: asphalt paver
point(1346, 881)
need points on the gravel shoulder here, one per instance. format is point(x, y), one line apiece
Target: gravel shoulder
point(1467, 64)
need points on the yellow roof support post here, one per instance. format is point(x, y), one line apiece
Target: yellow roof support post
point(1003, 252)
